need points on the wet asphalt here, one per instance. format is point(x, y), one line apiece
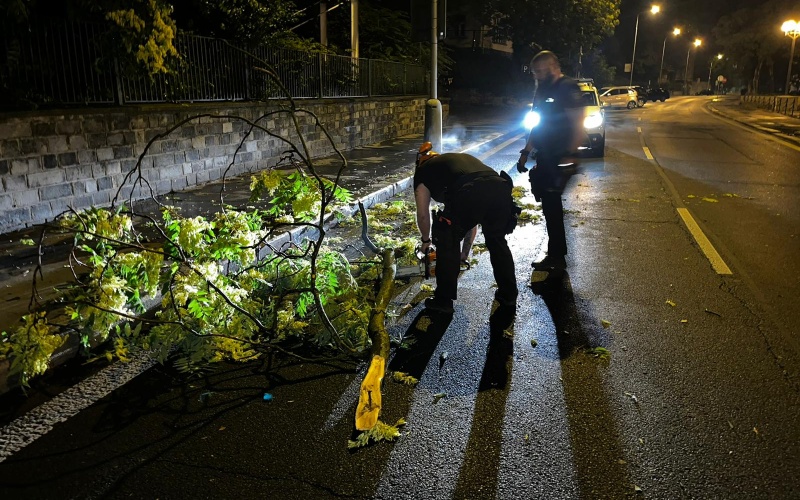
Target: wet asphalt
point(204, 437)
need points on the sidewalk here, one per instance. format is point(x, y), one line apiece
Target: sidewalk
point(779, 125)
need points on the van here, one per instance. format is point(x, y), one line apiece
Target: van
point(619, 96)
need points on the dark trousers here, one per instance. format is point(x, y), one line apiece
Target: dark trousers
point(553, 211)
point(547, 184)
point(485, 201)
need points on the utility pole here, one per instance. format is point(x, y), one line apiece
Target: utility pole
point(354, 29)
point(433, 107)
point(323, 23)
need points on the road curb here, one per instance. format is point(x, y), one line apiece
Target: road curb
point(773, 134)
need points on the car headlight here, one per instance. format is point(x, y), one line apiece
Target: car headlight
point(532, 119)
point(594, 120)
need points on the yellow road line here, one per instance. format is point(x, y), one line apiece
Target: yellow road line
point(705, 245)
point(647, 153)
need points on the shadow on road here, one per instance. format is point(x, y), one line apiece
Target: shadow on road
point(481, 465)
point(424, 332)
point(600, 467)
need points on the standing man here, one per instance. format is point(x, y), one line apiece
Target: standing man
point(556, 137)
point(473, 194)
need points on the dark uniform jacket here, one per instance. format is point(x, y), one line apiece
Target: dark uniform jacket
point(445, 173)
point(553, 134)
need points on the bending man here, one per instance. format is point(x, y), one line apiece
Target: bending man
point(472, 193)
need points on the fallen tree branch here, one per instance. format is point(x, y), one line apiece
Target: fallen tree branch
point(369, 401)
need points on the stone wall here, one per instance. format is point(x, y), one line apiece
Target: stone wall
point(51, 161)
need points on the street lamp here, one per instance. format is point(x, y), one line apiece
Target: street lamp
point(655, 9)
point(719, 58)
point(676, 32)
point(697, 43)
point(791, 29)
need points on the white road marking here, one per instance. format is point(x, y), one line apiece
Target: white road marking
point(705, 245)
point(494, 150)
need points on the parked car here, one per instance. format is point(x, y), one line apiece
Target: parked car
point(641, 93)
point(652, 94)
point(619, 96)
point(593, 120)
point(657, 94)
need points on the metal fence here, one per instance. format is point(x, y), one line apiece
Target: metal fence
point(71, 64)
point(787, 105)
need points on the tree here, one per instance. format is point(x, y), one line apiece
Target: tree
point(560, 26)
point(250, 22)
point(596, 67)
point(751, 36)
point(384, 33)
point(141, 31)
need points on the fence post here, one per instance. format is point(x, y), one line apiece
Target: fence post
point(246, 83)
point(119, 96)
point(369, 77)
point(320, 94)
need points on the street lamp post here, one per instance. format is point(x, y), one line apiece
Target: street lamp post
point(676, 32)
point(791, 29)
point(653, 10)
point(697, 43)
point(719, 57)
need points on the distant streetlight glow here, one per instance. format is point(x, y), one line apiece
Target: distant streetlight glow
point(719, 58)
point(675, 32)
point(697, 42)
point(655, 9)
point(791, 29)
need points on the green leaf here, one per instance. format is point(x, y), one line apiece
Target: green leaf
point(599, 352)
point(404, 378)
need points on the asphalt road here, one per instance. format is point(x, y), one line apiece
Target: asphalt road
point(699, 398)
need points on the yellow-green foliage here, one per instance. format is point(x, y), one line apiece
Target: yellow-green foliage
point(599, 352)
point(390, 208)
point(404, 378)
point(150, 37)
point(218, 302)
point(405, 249)
point(380, 432)
point(294, 190)
point(529, 216)
point(518, 192)
point(30, 346)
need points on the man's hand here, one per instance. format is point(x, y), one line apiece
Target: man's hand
point(425, 246)
point(523, 158)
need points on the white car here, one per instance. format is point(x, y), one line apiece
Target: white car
point(593, 120)
point(619, 96)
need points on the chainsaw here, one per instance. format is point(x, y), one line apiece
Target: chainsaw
point(425, 267)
